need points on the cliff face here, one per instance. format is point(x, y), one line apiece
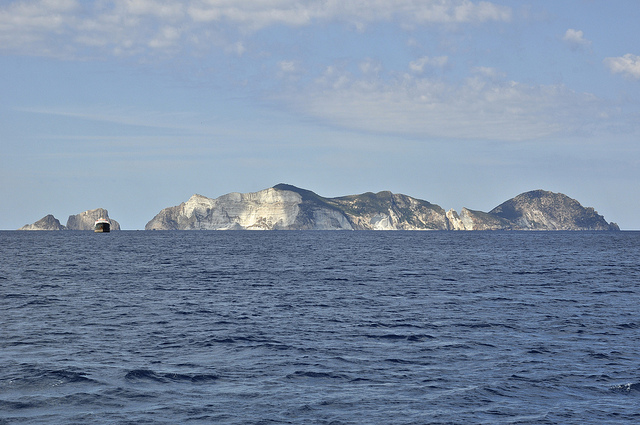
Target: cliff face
point(542, 210)
point(269, 209)
point(48, 222)
point(87, 220)
point(286, 207)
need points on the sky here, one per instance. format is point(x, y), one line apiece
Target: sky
point(135, 105)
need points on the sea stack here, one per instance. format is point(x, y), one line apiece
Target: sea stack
point(87, 220)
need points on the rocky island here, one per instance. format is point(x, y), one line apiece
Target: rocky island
point(286, 207)
point(83, 221)
point(48, 222)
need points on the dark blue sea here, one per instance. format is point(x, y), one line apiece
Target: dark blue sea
point(139, 327)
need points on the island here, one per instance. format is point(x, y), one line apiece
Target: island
point(286, 207)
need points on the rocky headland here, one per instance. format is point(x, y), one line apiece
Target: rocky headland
point(286, 207)
point(83, 221)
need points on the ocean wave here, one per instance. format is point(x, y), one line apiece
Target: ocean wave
point(9, 405)
point(32, 377)
point(626, 388)
point(397, 337)
point(141, 375)
point(315, 375)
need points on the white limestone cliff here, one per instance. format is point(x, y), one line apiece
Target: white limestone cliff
point(455, 223)
point(267, 209)
point(282, 209)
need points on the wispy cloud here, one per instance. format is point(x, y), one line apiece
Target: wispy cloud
point(419, 65)
point(628, 65)
point(123, 116)
point(67, 28)
point(485, 106)
point(575, 39)
point(407, 100)
point(255, 14)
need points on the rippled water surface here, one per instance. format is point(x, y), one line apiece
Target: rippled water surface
point(320, 327)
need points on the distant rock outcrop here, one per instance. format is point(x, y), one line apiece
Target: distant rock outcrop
point(82, 221)
point(286, 207)
point(87, 220)
point(48, 222)
point(542, 210)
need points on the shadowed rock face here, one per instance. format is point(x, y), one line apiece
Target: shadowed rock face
point(87, 220)
point(48, 222)
point(286, 207)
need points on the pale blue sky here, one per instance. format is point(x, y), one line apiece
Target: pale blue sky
point(134, 105)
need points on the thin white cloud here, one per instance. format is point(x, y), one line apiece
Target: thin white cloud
point(575, 39)
point(256, 14)
point(482, 107)
point(122, 116)
point(370, 66)
point(488, 72)
point(418, 65)
point(163, 9)
point(288, 67)
point(237, 48)
point(628, 65)
point(28, 25)
point(166, 37)
point(62, 27)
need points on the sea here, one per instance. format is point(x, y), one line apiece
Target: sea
point(314, 327)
